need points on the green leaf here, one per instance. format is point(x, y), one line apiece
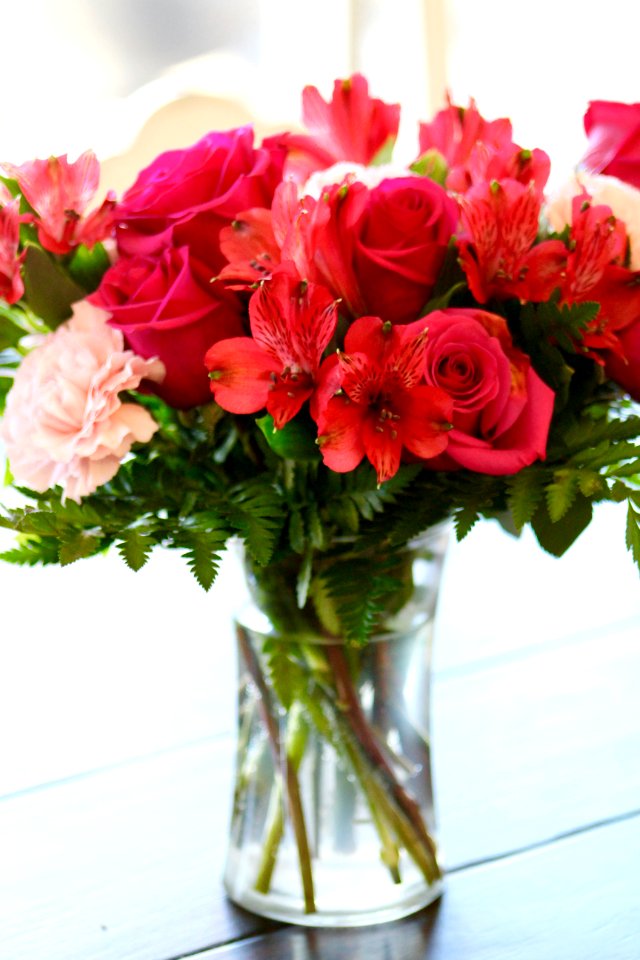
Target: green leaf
point(356, 607)
point(257, 510)
point(296, 531)
point(561, 493)
point(525, 491)
point(30, 551)
point(304, 579)
point(87, 267)
point(465, 519)
point(49, 291)
point(81, 545)
point(11, 332)
point(632, 537)
point(385, 152)
point(203, 554)
point(431, 164)
point(295, 441)
point(287, 676)
point(556, 538)
point(135, 548)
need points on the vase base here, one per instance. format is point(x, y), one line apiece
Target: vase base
point(287, 910)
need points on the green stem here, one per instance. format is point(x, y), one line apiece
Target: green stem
point(353, 714)
point(288, 773)
point(297, 733)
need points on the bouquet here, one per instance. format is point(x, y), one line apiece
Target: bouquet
point(308, 347)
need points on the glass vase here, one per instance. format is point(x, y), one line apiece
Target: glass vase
point(333, 818)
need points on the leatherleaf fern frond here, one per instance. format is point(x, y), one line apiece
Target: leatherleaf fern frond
point(359, 588)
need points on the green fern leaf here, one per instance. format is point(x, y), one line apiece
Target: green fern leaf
point(465, 519)
point(135, 548)
point(31, 551)
point(203, 554)
point(79, 546)
point(356, 608)
point(561, 493)
point(288, 677)
point(632, 537)
point(525, 491)
point(257, 511)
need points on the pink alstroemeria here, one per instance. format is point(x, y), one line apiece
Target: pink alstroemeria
point(478, 150)
point(497, 249)
point(292, 322)
point(455, 131)
point(11, 285)
point(373, 401)
point(60, 192)
point(351, 126)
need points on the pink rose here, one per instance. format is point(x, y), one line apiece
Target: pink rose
point(186, 196)
point(64, 422)
point(164, 307)
point(613, 131)
point(501, 407)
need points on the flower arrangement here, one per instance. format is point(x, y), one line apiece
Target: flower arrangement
point(323, 353)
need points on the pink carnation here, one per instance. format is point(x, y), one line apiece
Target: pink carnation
point(64, 422)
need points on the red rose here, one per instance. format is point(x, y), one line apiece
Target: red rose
point(187, 196)
point(613, 130)
point(400, 244)
point(501, 407)
point(625, 370)
point(164, 310)
point(379, 249)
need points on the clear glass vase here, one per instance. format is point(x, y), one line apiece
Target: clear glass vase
point(333, 821)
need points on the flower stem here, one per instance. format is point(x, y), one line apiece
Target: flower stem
point(297, 731)
point(288, 771)
point(411, 818)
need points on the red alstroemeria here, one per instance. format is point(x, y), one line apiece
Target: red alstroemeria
point(60, 193)
point(261, 238)
point(595, 271)
point(292, 322)
point(351, 126)
point(250, 247)
point(497, 249)
point(373, 401)
point(11, 285)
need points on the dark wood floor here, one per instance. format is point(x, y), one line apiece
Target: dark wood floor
point(116, 720)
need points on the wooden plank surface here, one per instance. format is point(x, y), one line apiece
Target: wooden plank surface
point(543, 905)
point(126, 863)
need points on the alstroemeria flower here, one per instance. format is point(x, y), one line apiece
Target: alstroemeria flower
point(476, 150)
point(497, 249)
point(292, 322)
point(11, 285)
point(351, 126)
point(595, 271)
point(373, 402)
point(60, 193)
point(621, 197)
